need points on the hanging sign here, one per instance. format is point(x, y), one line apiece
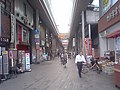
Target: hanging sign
point(12, 28)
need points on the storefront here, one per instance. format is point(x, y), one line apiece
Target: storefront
point(23, 45)
point(4, 42)
point(109, 38)
point(109, 27)
point(42, 37)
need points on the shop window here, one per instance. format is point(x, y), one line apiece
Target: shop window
point(6, 4)
point(114, 1)
point(3, 3)
point(25, 36)
point(25, 13)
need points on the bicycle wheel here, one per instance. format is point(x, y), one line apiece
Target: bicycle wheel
point(85, 70)
point(98, 71)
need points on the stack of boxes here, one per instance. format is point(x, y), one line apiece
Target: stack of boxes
point(108, 68)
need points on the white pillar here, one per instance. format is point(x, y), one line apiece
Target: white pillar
point(89, 31)
point(90, 46)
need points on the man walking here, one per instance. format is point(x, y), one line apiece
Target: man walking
point(79, 61)
point(65, 59)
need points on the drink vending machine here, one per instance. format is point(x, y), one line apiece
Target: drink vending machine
point(21, 59)
point(27, 62)
point(5, 64)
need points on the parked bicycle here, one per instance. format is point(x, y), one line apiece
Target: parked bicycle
point(85, 68)
point(95, 66)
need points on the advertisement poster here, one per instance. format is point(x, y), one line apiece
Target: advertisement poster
point(88, 46)
point(27, 55)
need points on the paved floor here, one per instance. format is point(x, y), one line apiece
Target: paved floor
point(51, 75)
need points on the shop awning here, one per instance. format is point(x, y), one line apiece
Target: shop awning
point(114, 34)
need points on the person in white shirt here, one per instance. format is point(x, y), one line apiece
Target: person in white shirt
point(79, 61)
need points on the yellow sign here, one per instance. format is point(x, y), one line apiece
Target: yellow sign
point(5, 52)
point(61, 36)
point(105, 2)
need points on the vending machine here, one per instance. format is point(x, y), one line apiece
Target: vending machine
point(27, 62)
point(21, 59)
point(5, 63)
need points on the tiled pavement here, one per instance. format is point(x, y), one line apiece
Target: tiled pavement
point(51, 75)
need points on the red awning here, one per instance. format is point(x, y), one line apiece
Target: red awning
point(114, 34)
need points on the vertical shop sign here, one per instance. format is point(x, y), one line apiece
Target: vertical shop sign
point(12, 28)
point(27, 55)
point(37, 39)
point(88, 46)
point(36, 35)
point(37, 46)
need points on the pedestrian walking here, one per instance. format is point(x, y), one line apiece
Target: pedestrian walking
point(65, 59)
point(79, 61)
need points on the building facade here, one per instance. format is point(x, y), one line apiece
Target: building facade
point(25, 31)
point(109, 25)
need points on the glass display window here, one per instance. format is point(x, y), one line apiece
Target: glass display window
point(117, 43)
point(25, 35)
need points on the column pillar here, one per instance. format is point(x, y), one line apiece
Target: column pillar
point(83, 33)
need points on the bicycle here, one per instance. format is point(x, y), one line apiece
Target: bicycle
point(96, 67)
point(85, 68)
